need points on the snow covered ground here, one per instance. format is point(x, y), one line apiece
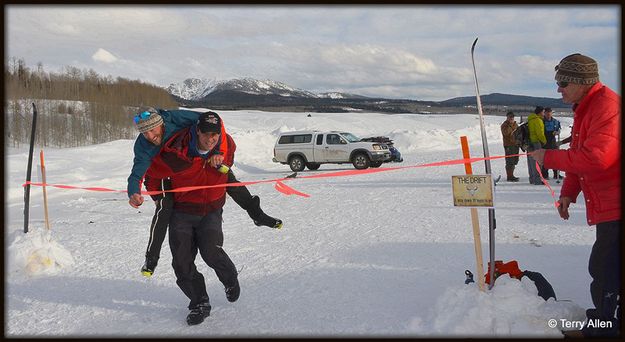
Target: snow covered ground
point(378, 254)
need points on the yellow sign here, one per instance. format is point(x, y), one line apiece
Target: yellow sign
point(473, 191)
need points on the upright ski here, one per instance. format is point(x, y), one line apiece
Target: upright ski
point(491, 211)
point(29, 169)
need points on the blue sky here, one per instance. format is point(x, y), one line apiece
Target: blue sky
point(413, 51)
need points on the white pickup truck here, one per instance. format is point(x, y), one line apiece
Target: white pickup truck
point(312, 148)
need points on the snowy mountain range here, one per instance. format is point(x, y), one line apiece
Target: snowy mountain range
point(198, 88)
point(250, 93)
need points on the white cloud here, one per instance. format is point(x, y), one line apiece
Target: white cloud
point(377, 57)
point(104, 56)
point(62, 29)
point(535, 65)
point(408, 51)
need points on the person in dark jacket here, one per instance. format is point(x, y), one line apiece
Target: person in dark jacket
point(510, 147)
point(156, 127)
point(552, 131)
point(593, 166)
point(196, 222)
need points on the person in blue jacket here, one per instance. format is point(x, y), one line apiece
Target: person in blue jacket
point(156, 127)
point(552, 131)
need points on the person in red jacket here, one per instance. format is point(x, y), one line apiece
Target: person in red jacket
point(157, 126)
point(196, 222)
point(593, 166)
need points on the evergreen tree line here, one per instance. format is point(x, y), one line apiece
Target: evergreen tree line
point(75, 107)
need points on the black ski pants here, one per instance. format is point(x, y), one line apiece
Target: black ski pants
point(604, 267)
point(189, 234)
point(165, 206)
point(160, 221)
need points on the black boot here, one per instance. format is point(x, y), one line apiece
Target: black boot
point(148, 267)
point(233, 292)
point(198, 314)
point(251, 204)
point(259, 217)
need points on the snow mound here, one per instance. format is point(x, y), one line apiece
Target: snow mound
point(36, 253)
point(512, 308)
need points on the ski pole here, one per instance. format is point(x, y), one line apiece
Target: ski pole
point(29, 169)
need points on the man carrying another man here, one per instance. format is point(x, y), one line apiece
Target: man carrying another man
point(156, 127)
point(196, 222)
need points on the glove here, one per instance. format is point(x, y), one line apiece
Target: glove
point(223, 169)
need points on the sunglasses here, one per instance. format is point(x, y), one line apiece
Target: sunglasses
point(562, 84)
point(142, 116)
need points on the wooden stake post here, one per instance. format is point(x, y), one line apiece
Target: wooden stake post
point(474, 219)
point(45, 194)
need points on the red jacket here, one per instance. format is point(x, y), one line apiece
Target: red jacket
point(174, 161)
point(593, 161)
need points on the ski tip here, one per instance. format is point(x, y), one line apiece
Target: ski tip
point(474, 42)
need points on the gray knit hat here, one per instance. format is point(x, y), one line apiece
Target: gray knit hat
point(578, 69)
point(147, 118)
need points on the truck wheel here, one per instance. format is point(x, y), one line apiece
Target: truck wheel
point(296, 163)
point(313, 166)
point(361, 161)
point(376, 164)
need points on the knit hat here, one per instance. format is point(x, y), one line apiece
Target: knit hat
point(147, 118)
point(577, 68)
point(209, 122)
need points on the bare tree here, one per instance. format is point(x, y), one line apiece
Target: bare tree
point(100, 111)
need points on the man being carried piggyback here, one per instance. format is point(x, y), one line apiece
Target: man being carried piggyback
point(157, 127)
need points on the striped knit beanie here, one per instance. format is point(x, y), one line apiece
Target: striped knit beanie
point(578, 69)
point(152, 121)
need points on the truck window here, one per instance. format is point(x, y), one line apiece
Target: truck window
point(319, 139)
point(333, 139)
point(350, 137)
point(295, 139)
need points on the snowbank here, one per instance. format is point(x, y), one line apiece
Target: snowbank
point(512, 308)
point(36, 253)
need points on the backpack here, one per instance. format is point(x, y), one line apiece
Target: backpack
point(521, 136)
point(545, 290)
